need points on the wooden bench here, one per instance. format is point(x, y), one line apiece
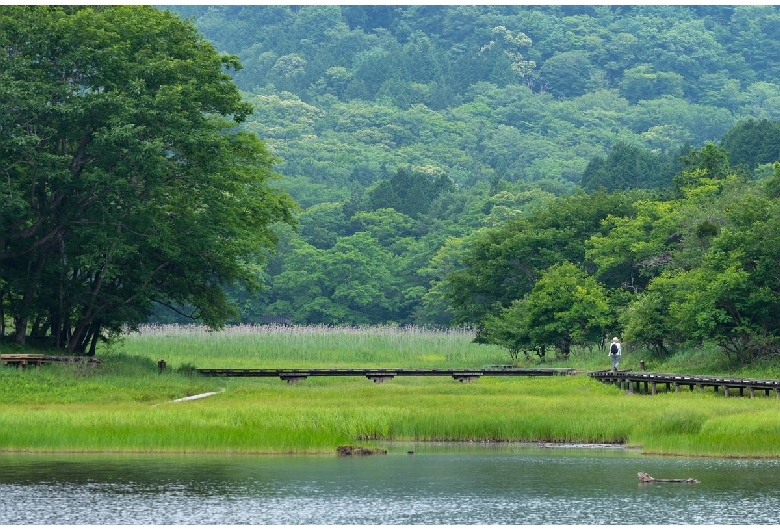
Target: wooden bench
point(21, 360)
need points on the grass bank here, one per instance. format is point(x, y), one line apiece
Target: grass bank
point(124, 405)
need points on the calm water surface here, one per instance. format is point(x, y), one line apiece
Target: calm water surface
point(438, 484)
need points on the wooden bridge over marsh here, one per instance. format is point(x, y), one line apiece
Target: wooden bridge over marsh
point(381, 375)
point(651, 382)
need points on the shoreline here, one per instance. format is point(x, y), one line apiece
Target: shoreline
point(385, 444)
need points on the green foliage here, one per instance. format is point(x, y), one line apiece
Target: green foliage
point(570, 74)
point(716, 283)
point(628, 167)
point(504, 264)
point(436, 152)
point(566, 307)
point(693, 268)
point(636, 247)
point(652, 319)
point(125, 406)
point(409, 191)
point(469, 88)
point(127, 182)
point(353, 282)
point(752, 143)
point(641, 82)
point(366, 106)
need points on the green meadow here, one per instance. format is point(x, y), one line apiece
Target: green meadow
point(125, 405)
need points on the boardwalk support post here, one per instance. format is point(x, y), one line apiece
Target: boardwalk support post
point(381, 377)
point(466, 377)
point(293, 378)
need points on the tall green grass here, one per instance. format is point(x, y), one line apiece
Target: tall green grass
point(311, 346)
point(125, 405)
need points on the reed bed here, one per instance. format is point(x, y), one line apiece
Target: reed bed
point(252, 346)
point(123, 405)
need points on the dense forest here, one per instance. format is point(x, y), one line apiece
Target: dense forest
point(550, 175)
point(520, 94)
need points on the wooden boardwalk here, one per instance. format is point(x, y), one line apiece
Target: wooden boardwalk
point(380, 375)
point(22, 360)
point(651, 382)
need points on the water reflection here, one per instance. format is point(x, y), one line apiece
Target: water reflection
point(437, 484)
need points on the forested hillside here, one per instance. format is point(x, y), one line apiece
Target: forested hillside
point(550, 174)
point(345, 95)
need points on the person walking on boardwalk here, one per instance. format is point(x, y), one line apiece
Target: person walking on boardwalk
point(614, 351)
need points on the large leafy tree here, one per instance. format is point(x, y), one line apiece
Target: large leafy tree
point(125, 182)
point(503, 265)
point(738, 303)
point(353, 282)
point(564, 308)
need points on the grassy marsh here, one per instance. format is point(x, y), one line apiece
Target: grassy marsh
point(124, 405)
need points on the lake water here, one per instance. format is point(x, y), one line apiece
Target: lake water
point(437, 484)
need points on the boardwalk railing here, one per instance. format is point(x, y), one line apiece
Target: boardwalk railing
point(380, 375)
point(650, 381)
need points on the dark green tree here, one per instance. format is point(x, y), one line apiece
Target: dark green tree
point(569, 74)
point(753, 142)
point(125, 182)
point(627, 167)
point(642, 82)
point(409, 191)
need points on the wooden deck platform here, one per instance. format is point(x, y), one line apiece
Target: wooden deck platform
point(651, 382)
point(22, 360)
point(380, 375)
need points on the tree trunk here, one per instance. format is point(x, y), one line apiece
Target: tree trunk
point(96, 326)
point(75, 343)
point(20, 327)
point(22, 318)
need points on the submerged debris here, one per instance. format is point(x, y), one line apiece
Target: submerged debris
point(644, 477)
point(353, 450)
